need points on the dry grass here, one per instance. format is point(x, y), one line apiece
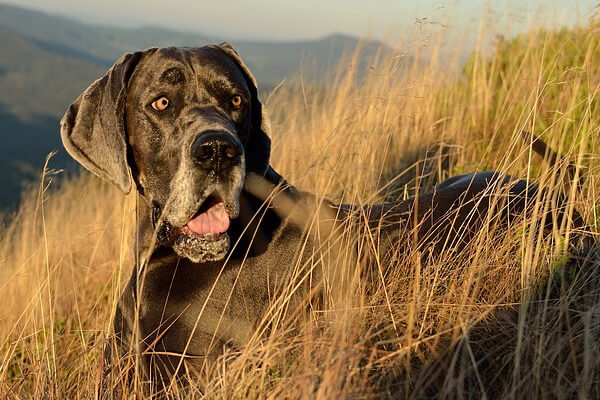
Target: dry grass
point(506, 319)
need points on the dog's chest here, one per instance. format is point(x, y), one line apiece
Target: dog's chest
point(200, 309)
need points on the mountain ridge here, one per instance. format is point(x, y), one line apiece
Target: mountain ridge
point(68, 42)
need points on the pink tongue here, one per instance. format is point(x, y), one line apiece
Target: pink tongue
point(213, 220)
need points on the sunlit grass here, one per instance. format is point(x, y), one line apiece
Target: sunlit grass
point(505, 319)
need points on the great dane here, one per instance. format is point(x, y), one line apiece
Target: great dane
point(220, 232)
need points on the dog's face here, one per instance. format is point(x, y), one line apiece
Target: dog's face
point(187, 117)
point(186, 125)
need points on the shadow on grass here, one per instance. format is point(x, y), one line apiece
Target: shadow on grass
point(547, 346)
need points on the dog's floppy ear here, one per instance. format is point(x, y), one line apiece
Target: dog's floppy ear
point(92, 129)
point(258, 146)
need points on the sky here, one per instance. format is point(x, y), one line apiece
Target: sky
point(309, 19)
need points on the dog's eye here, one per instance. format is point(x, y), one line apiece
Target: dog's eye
point(160, 104)
point(236, 101)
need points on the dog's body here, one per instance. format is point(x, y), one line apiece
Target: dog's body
point(186, 127)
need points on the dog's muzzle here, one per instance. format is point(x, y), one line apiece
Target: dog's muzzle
point(208, 208)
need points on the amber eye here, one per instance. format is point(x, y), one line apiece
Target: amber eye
point(160, 104)
point(236, 101)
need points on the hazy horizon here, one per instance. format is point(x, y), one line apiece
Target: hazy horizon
point(270, 20)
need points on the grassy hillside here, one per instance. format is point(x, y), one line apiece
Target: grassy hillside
point(505, 319)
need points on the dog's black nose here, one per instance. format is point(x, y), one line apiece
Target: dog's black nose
point(216, 150)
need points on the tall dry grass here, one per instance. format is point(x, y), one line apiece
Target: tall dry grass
point(506, 319)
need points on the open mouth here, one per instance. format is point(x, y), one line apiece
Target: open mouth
point(210, 222)
point(204, 237)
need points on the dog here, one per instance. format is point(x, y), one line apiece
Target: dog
point(219, 230)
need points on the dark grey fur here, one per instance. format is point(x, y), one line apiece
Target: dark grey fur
point(112, 131)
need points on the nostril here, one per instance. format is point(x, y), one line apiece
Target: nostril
point(204, 152)
point(231, 151)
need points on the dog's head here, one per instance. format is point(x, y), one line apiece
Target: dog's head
point(184, 125)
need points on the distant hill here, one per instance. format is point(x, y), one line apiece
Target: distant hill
point(48, 60)
point(24, 146)
point(64, 54)
point(41, 80)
